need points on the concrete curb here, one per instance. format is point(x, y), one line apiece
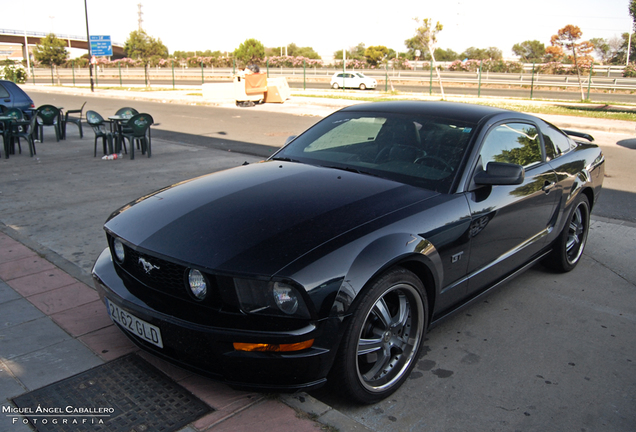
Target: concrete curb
point(322, 413)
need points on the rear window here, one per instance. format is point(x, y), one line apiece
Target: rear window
point(556, 142)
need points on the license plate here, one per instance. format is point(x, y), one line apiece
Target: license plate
point(136, 326)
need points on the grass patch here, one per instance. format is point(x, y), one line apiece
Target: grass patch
point(573, 110)
point(566, 108)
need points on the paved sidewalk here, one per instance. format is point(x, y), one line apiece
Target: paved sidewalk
point(53, 326)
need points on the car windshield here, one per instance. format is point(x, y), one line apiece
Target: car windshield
point(417, 150)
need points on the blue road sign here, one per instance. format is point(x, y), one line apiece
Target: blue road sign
point(101, 46)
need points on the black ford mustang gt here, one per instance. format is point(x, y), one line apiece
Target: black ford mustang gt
point(331, 259)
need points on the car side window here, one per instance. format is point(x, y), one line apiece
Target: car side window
point(555, 139)
point(3, 92)
point(516, 143)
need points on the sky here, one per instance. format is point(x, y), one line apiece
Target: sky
point(327, 25)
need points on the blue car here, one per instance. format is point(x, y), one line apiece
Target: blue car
point(12, 96)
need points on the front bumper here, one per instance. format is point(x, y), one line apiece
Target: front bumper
point(209, 350)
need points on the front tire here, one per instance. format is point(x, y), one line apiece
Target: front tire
point(383, 339)
point(570, 244)
point(363, 87)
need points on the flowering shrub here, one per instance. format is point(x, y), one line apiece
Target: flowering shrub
point(353, 64)
point(207, 62)
point(81, 62)
point(464, 66)
point(125, 62)
point(197, 61)
point(290, 61)
point(553, 68)
point(14, 72)
point(558, 68)
point(401, 63)
point(629, 71)
point(487, 66)
point(502, 66)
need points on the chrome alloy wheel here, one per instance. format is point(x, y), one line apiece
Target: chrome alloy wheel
point(577, 234)
point(390, 337)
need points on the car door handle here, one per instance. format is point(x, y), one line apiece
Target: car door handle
point(547, 186)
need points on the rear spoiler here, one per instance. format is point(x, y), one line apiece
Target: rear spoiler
point(588, 137)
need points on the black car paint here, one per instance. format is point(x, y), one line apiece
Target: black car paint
point(344, 230)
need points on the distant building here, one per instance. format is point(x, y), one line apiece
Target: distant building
point(11, 52)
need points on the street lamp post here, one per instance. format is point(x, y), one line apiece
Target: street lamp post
point(629, 48)
point(88, 42)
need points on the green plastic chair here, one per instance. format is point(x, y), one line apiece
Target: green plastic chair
point(76, 120)
point(139, 126)
point(16, 113)
point(10, 133)
point(96, 122)
point(127, 112)
point(28, 133)
point(49, 115)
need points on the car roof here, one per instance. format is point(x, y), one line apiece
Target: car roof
point(11, 84)
point(451, 110)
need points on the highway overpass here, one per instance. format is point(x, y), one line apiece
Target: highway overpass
point(20, 37)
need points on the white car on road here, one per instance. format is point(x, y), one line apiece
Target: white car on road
point(352, 80)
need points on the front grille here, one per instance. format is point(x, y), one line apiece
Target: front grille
point(164, 276)
point(154, 272)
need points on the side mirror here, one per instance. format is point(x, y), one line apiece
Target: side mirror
point(290, 139)
point(499, 173)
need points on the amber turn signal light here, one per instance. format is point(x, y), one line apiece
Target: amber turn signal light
point(273, 347)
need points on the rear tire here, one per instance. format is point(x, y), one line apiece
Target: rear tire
point(569, 246)
point(335, 86)
point(383, 339)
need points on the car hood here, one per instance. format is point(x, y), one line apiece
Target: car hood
point(256, 219)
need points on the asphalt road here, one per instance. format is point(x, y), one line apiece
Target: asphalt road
point(546, 352)
point(500, 91)
point(259, 133)
point(197, 125)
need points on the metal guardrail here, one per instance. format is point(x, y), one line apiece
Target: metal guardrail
point(197, 76)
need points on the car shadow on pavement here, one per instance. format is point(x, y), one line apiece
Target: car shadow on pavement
point(628, 143)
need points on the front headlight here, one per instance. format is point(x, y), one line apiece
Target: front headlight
point(198, 284)
point(270, 298)
point(118, 248)
point(285, 298)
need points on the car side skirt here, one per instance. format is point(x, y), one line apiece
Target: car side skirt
point(481, 294)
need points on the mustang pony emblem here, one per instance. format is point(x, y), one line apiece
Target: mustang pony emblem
point(148, 267)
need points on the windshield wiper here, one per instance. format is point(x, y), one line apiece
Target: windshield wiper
point(351, 169)
point(284, 159)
